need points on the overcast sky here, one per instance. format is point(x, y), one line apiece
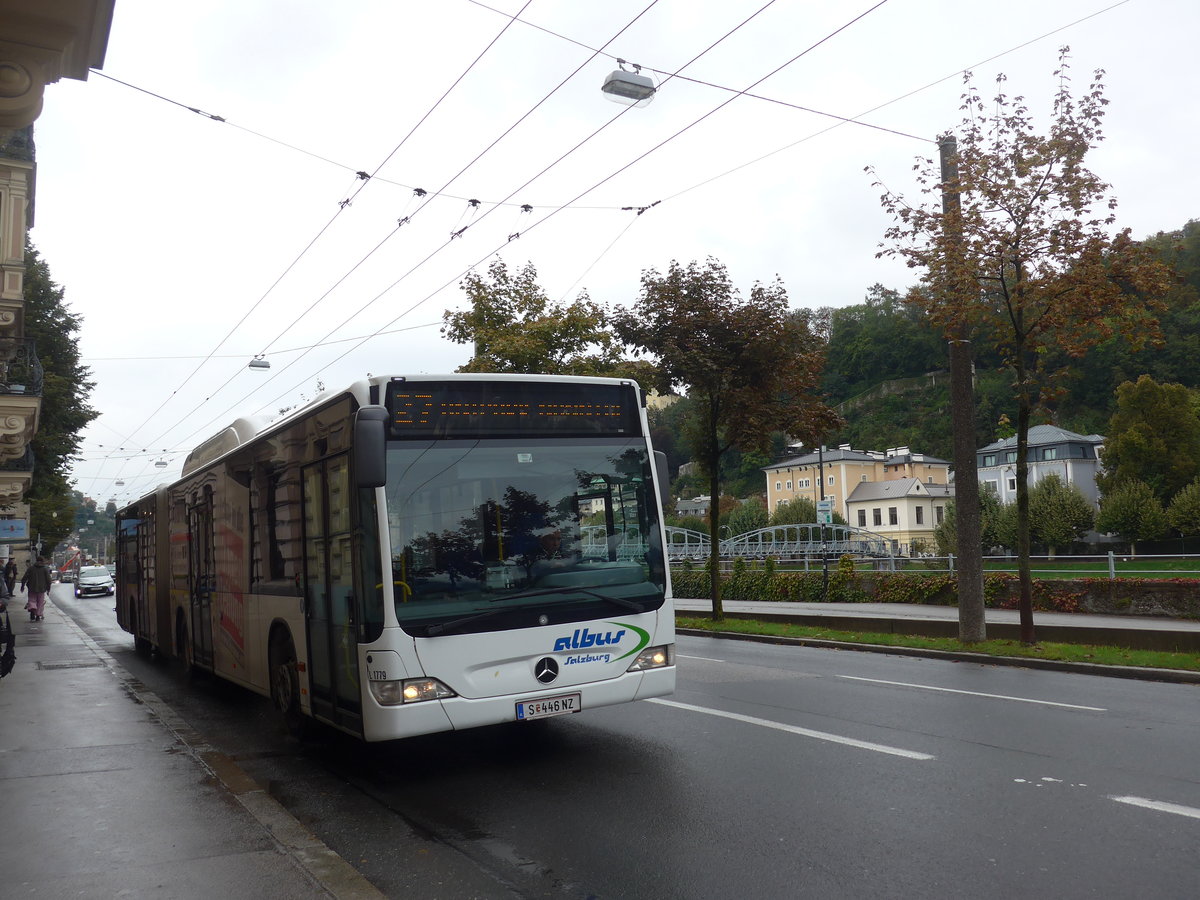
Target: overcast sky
point(181, 239)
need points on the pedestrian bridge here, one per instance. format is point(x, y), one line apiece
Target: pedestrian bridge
point(782, 542)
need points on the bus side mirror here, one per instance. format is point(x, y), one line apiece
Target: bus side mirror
point(660, 465)
point(370, 447)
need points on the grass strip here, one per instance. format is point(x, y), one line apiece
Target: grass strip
point(1084, 653)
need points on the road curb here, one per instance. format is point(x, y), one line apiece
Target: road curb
point(321, 863)
point(1137, 673)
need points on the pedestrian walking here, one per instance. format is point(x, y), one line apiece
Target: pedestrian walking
point(10, 575)
point(36, 581)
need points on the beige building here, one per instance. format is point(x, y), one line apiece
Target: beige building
point(904, 510)
point(834, 474)
point(41, 41)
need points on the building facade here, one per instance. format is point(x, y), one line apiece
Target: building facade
point(906, 511)
point(1075, 458)
point(834, 474)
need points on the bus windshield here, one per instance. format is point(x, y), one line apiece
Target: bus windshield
point(496, 534)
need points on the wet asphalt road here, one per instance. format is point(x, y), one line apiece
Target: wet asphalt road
point(773, 772)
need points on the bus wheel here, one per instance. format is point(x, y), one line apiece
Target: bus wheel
point(141, 646)
point(285, 684)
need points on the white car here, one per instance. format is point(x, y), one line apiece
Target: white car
point(94, 581)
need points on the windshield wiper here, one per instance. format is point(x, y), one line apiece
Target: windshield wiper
point(619, 601)
point(443, 627)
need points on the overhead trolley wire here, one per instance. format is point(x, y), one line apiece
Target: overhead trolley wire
point(341, 208)
point(458, 233)
point(360, 175)
point(472, 204)
point(955, 74)
point(407, 219)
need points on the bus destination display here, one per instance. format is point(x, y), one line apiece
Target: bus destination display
point(496, 409)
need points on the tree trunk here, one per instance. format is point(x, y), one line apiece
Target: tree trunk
point(714, 522)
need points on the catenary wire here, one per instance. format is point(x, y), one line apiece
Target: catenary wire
point(629, 24)
point(377, 178)
point(464, 169)
point(341, 208)
point(955, 74)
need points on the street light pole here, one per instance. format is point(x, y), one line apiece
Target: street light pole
point(821, 520)
point(971, 623)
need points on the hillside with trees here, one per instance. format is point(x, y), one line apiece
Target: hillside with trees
point(880, 344)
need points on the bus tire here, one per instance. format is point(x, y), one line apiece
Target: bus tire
point(141, 646)
point(285, 684)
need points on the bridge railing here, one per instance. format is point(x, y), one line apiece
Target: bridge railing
point(782, 542)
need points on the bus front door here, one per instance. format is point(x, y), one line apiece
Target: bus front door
point(202, 577)
point(334, 687)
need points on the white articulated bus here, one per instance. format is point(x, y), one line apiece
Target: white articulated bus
point(416, 554)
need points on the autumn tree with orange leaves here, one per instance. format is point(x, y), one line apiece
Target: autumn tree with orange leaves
point(1031, 261)
point(750, 364)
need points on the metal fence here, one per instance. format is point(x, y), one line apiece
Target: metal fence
point(801, 548)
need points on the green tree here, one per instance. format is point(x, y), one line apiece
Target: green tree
point(1153, 437)
point(749, 516)
point(1184, 511)
point(692, 523)
point(1029, 263)
point(66, 388)
point(514, 327)
point(945, 535)
point(1133, 511)
point(797, 511)
point(1061, 514)
point(749, 365)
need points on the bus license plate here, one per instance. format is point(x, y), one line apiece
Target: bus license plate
point(549, 706)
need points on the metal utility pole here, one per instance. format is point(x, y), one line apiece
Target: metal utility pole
point(821, 515)
point(971, 624)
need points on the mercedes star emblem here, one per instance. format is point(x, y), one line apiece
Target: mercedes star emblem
point(546, 670)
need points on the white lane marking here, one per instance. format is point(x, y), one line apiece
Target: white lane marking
point(929, 687)
point(1159, 805)
point(793, 729)
point(705, 658)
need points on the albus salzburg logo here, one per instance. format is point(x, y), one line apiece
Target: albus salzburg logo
point(584, 639)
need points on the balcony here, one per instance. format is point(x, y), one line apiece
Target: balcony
point(20, 396)
point(43, 41)
point(16, 475)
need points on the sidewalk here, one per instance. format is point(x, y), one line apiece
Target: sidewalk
point(106, 793)
point(1134, 632)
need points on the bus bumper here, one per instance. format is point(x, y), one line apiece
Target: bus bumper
point(459, 713)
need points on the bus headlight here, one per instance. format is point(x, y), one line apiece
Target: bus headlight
point(654, 658)
point(414, 690)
